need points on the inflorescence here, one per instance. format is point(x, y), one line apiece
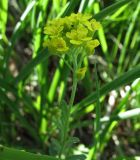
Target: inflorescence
point(76, 30)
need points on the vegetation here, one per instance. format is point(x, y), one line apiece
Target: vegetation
point(69, 83)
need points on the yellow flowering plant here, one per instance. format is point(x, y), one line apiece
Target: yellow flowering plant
point(72, 36)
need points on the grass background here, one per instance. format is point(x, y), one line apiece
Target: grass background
point(106, 113)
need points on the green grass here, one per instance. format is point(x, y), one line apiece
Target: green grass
point(34, 84)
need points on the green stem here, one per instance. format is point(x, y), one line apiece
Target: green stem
point(97, 120)
point(74, 85)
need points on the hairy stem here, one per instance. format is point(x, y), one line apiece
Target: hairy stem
point(72, 97)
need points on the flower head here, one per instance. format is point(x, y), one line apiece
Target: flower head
point(80, 17)
point(95, 25)
point(53, 30)
point(77, 36)
point(91, 45)
point(56, 45)
point(75, 30)
point(81, 73)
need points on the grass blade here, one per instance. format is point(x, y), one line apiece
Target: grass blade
point(83, 5)
point(13, 107)
point(3, 15)
point(97, 125)
point(118, 82)
point(42, 56)
point(73, 4)
point(101, 33)
point(109, 10)
point(22, 20)
point(17, 33)
point(55, 81)
point(10, 153)
point(128, 38)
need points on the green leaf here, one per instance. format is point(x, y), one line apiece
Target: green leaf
point(76, 157)
point(3, 15)
point(118, 82)
point(109, 10)
point(127, 158)
point(15, 109)
point(17, 29)
point(72, 5)
point(71, 141)
point(42, 56)
point(55, 147)
point(65, 112)
point(7, 153)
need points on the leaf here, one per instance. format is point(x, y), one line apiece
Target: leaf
point(127, 158)
point(55, 147)
point(65, 112)
point(71, 141)
point(15, 110)
point(72, 5)
point(42, 56)
point(109, 10)
point(76, 157)
point(18, 27)
point(3, 15)
point(7, 153)
point(115, 84)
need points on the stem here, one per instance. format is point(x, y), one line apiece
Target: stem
point(75, 81)
point(97, 120)
point(74, 85)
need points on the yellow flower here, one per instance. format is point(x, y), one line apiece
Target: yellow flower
point(92, 25)
point(46, 43)
point(81, 73)
point(73, 36)
point(91, 45)
point(95, 25)
point(56, 44)
point(56, 22)
point(88, 25)
point(53, 30)
point(77, 36)
point(60, 44)
point(75, 29)
point(79, 17)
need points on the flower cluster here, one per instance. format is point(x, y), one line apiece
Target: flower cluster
point(77, 30)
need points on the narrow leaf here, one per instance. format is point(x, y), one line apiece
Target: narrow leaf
point(118, 82)
point(10, 154)
point(42, 56)
point(109, 10)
